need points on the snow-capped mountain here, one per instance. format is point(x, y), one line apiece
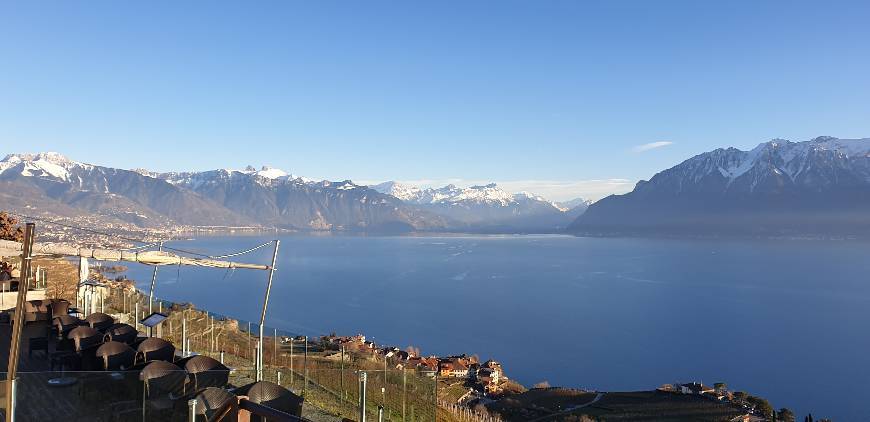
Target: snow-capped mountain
point(483, 207)
point(274, 197)
point(780, 186)
point(52, 182)
point(574, 203)
point(267, 197)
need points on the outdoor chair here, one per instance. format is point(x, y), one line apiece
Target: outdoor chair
point(85, 341)
point(39, 343)
point(35, 310)
point(58, 307)
point(164, 389)
point(274, 396)
point(122, 333)
point(216, 404)
point(206, 372)
point(116, 356)
point(63, 324)
point(100, 321)
point(154, 348)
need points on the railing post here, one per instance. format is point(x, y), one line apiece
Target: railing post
point(343, 390)
point(191, 410)
point(404, 392)
point(183, 333)
point(222, 357)
point(13, 399)
point(278, 377)
point(259, 360)
point(305, 363)
point(362, 397)
point(380, 413)
point(292, 341)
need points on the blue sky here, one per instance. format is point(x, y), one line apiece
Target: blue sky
point(553, 96)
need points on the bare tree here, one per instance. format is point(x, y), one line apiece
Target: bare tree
point(9, 228)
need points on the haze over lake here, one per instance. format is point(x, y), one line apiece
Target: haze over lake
point(785, 320)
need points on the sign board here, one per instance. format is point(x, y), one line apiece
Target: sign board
point(153, 320)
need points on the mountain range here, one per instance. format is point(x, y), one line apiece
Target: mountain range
point(488, 207)
point(267, 197)
point(821, 186)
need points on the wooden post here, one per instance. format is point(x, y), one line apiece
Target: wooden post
point(18, 323)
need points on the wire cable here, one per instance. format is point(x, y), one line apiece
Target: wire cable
point(146, 244)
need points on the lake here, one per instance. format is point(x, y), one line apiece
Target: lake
point(785, 320)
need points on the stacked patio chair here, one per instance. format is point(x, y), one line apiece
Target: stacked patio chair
point(216, 405)
point(100, 321)
point(154, 348)
point(274, 396)
point(58, 307)
point(36, 310)
point(122, 333)
point(116, 356)
point(206, 372)
point(85, 341)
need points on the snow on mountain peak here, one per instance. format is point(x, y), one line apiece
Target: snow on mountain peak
point(818, 162)
point(489, 194)
point(272, 173)
point(402, 191)
point(43, 164)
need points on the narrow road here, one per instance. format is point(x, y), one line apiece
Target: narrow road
point(571, 409)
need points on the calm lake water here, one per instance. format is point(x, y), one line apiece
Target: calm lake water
point(786, 320)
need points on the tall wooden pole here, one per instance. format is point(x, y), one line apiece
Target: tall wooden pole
point(18, 323)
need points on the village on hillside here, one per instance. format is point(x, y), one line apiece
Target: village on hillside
point(486, 378)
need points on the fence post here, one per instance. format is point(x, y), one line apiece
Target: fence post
point(362, 397)
point(305, 363)
point(404, 391)
point(191, 410)
point(183, 333)
point(12, 400)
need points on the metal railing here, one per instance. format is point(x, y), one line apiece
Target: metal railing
point(328, 379)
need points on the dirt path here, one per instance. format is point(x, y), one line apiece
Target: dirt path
point(571, 409)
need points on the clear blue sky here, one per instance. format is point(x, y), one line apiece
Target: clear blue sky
point(505, 90)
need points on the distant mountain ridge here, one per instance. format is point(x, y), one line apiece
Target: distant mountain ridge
point(487, 206)
point(267, 197)
point(52, 182)
point(821, 186)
